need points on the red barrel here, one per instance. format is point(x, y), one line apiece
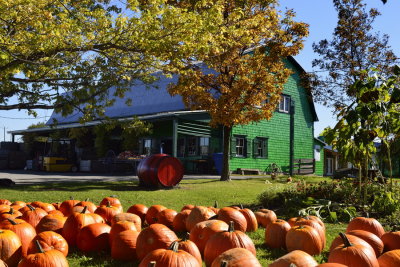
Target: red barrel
point(160, 170)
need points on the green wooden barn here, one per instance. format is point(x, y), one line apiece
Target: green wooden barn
point(287, 140)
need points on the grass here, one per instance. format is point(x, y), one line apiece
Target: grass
point(198, 192)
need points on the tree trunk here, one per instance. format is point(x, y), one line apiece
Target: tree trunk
point(225, 175)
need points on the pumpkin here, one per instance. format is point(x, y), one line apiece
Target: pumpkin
point(49, 258)
point(236, 257)
point(190, 247)
point(304, 238)
point(123, 245)
point(130, 217)
point(265, 217)
point(187, 207)
point(228, 214)
point(57, 212)
point(94, 237)
point(111, 200)
point(5, 202)
point(353, 239)
point(366, 224)
point(179, 223)
point(202, 231)
point(51, 222)
point(24, 231)
point(154, 237)
point(297, 258)
point(47, 207)
point(33, 215)
point(151, 215)
point(90, 205)
point(107, 212)
point(120, 227)
point(214, 208)
point(18, 203)
point(140, 210)
point(390, 258)
point(11, 213)
point(252, 224)
point(49, 240)
point(67, 205)
point(77, 221)
point(292, 221)
point(374, 241)
point(10, 249)
point(166, 217)
point(2, 263)
point(198, 214)
point(316, 225)
point(223, 241)
point(275, 234)
point(391, 240)
point(353, 254)
point(170, 257)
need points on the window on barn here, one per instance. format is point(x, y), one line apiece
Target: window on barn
point(240, 146)
point(204, 145)
point(260, 147)
point(284, 104)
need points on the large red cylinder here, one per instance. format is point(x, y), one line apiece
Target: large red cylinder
point(160, 170)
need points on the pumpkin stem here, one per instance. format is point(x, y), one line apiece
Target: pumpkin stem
point(39, 247)
point(11, 211)
point(346, 241)
point(231, 227)
point(174, 246)
point(84, 209)
point(32, 208)
point(109, 204)
point(224, 264)
point(12, 221)
point(71, 198)
point(152, 264)
point(216, 204)
point(87, 199)
point(241, 206)
point(186, 237)
point(292, 265)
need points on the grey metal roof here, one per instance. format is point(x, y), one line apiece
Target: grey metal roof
point(146, 99)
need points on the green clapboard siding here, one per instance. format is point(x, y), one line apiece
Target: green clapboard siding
point(277, 130)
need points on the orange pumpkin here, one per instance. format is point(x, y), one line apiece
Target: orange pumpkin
point(170, 257)
point(107, 212)
point(391, 240)
point(111, 200)
point(198, 214)
point(151, 215)
point(353, 254)
point(252, 224)
point(24, 231)
point(67, 205)
point(90, 205)
point(11, 213)
point(202, 232)
point(154, 237)
point(295, 257)
point(366, 224)
point(331, 264)
point(236, 257)
point(179, 223)
point(121, 226)
point(47, 207)
point(374, 241)
point(123, 245)
point(317, 226)
point(190, 247)
point(187, 207)
point(33, 215)
point(228, 214)
point(49, 240)
point(223, 241)
point(130, 217)
point(44, 258)
point(140, 210)
point(94, 237)
point(51, 222)
point(275, 234)
point(353, 239)
point(166, 217)
point(304, 238)
point(390, 258)
point(10, 249)
point(265, 217)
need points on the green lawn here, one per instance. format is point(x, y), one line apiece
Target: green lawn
point(198, 192)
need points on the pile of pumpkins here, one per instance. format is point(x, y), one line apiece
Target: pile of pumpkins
point(40, 234)
point(365, 243)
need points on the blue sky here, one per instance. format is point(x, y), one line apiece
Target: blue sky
point(321, 17)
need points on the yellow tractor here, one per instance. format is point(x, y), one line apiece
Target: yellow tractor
point(59, 156)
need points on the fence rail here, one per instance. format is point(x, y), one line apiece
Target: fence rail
point(304, 166)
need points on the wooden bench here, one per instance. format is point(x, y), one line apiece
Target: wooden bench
point(242, 171)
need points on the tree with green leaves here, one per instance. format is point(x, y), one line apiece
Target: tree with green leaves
point(354, 47)
point(373, 115)
point(237, 71)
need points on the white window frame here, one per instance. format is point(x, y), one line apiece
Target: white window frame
point(284, 104)
point(240, 146)
point(147, 145)
point(204, 145)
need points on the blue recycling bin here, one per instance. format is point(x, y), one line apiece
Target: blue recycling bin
point(218, 158)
